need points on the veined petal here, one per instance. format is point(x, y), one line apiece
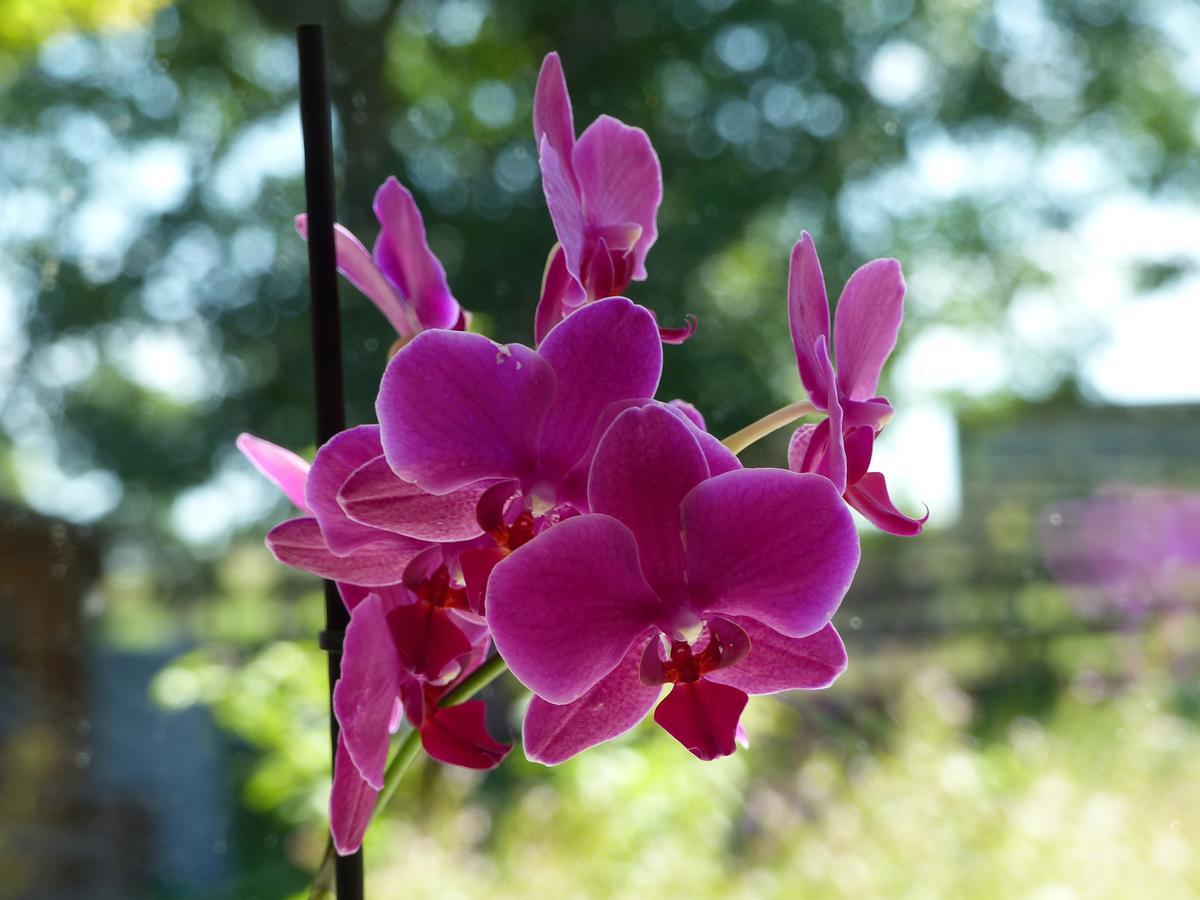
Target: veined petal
point(870, 497)
point(607, 351)
point(281, 467)
point(777, 662)
point(402, 252)
point(617, 702)
point(552, 118)
point(458, 735)
point(703, 716)
point(299, 543)
point(455, 408)
point(565, 206)
point(356, 264)
point(621, 182)
point(770, 544)
point(802, 439)
point(336, 460)
point(364, 696)
point(866, 324)
point(374, 496)
point(565, 608)
point(351, 803)
point(860, 444)
point(646, 463)
point(808, 315)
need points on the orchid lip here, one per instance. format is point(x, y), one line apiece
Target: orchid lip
point(727, 645)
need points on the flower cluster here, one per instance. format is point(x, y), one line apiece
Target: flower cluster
point(542, 499)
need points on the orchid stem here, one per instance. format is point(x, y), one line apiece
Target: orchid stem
point(740, 440)
point(406, 752)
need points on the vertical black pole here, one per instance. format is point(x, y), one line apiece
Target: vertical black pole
point(326, 341)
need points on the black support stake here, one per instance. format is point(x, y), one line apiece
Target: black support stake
point(329, 400)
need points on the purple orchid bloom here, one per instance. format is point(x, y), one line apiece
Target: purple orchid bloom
point(867, 322)
point(688, 570)
point(403, 277)
point(603, 192)
point(378, 688)
point(457, 410)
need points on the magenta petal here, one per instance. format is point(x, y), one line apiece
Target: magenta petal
point(777, 662)
point(299, 543)
point(458, 735)
point(771, 544)
point(553, 734)
point(621, 182)
point(366, 693)
point(565, 608)
point(564, 205)
point(428, 641)
point(607, 351)
point(703, 716)
point(870, 497)
point(403, 253)
point(690, 412)
point(833, 462)
point(281, 467)
point(866, 324)
point(456, 408)
point(552, 118)
point(798, 446)
point(808, 315)
point(336, 460)
point(560, 294)
point(477, 564)
point(356, 264)
point(646, 463)
point(374, 496)
point(351, 803)
point(680, 334)
point(860, 444)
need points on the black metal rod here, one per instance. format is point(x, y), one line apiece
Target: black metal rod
point(328, 392)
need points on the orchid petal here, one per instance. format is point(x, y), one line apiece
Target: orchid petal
point(808, 315)
point(281, 467)
point(771, 544)
point(427, 640)
point(646, 463)
point(832, 462)
point(607, 351)
point(365, 694)
point(690, 412)
point(455, 408)
point(351, 803)
point(777, 662)
point(680, 334)
point(620, 181)
point(299, 543)
point(552, 118)
point(870, 497)
point(579, 579)
point(374, 496)
point(617, 702)
point(798, 446)
point(458, 735)
point(335, 461)
point(403, 253)
point(565, 206)
point(703, 716)
point(561, 293)
point(859, 443)
point(356, 264)
point(866, 324)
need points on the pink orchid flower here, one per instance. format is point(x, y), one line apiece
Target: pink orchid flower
point(458, 410)
point(689, 571)
point(603, 192)
point(403, 277)
point(867, 322)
